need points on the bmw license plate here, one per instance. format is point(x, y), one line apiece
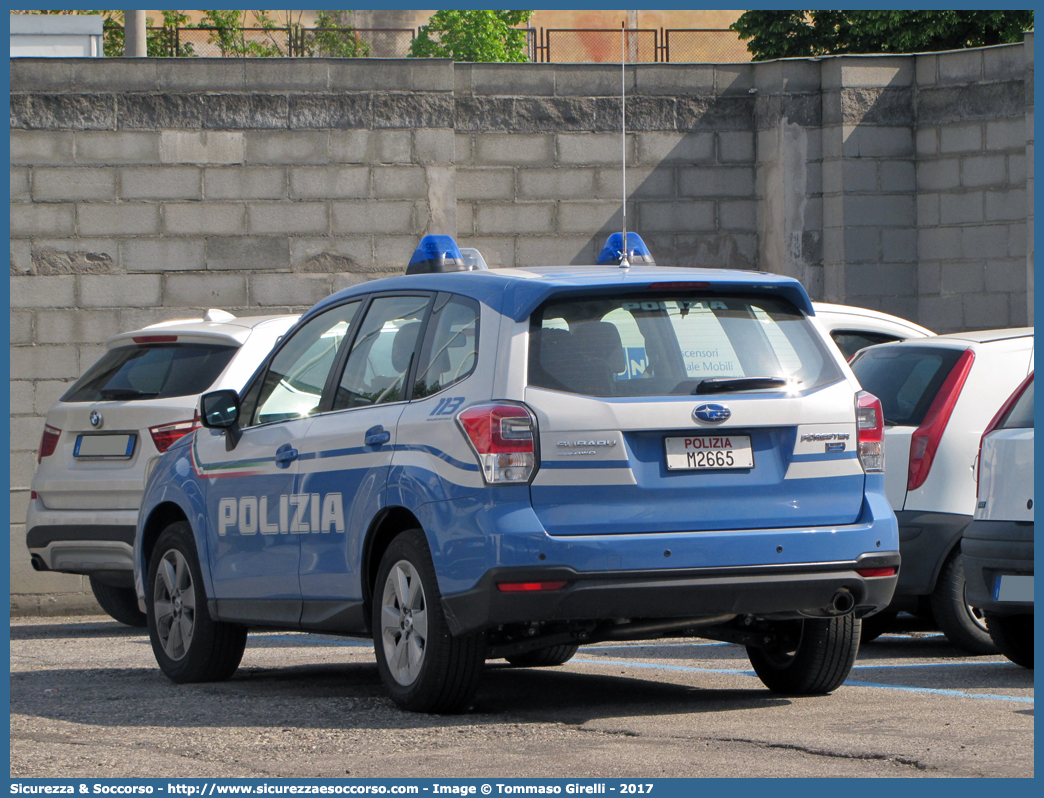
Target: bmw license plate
point(705, 452)
point(110, 447)
point(1009, 587)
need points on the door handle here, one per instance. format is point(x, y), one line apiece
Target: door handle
point(285, 455)
point(375, 436)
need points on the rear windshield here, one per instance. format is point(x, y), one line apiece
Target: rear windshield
point(905, 379)
point(669, 345)
point(1021, 415)
point(157, 371)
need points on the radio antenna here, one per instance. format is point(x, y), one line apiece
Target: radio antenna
point(624, 262)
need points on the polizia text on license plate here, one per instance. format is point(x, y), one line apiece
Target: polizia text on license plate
point(700, 452)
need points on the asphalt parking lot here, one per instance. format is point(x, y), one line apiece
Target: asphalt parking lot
point(87, 700)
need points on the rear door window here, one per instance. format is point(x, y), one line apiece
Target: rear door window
point(153, 371)
point(905, 379)
point(450, 350)
point(669, 345)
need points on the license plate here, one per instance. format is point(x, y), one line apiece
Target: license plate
point(1008, 587)
point(705, 452)
point(112, 447)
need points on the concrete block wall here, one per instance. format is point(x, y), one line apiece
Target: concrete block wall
point(144, 190)
point(973, 206)
point(869, 202)
point(538, 157)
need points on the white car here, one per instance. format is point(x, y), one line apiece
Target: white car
point(853, 328)
point(938, 396)
point(998, 544)
point(103, 437)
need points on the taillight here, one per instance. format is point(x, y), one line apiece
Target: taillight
point(503, 437)
point(925, 440)
point(871, 573)
point(870, 432)
point(49, 442)
point(995, 422)
point(529, 587)
point(165, 434)
point(155, 339)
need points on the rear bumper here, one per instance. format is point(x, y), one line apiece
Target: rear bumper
point(992, 549)
point(925, 541)
point(80, 541)
point(807, 588)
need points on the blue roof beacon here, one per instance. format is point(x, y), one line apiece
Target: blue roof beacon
point(613, 249)
point(435, 254)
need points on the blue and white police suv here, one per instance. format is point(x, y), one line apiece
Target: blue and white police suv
point(469, 463)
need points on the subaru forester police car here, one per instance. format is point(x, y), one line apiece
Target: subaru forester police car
point(469, 463)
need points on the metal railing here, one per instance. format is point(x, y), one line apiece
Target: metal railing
point(704, 46)
point(292, 42)
point(643, 45)
point(552, 45)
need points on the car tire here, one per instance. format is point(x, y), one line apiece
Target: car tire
point(811, 656)
point(188, 644)
point(544, 657)
point(1013, 635)
point(877, 625)
point(964, 625)
point(120, 603)
point(423, 666)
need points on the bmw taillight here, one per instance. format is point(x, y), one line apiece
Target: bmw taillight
point(165, 434)
point(504, 438)
point(925, 440)
point(996, 421)
point(48, 442)
point(870, 432)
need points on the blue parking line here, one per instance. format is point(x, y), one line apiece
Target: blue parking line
point(930, 690)
point(934, 665)
point(936, 691)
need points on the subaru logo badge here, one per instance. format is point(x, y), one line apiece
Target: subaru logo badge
point(712, 412)
point(96, 419)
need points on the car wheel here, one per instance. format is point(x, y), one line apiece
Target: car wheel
point(544, 657)
point(121, 603)
point(811, 656)
point(424, 667)
point(1013, 635)
point(189, 645)
point(877, 625)
point(963, 624)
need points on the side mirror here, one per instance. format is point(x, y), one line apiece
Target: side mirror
point(219, 409)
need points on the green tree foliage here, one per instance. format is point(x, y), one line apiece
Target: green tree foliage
point(231, 39)
point(333, 38)
point(473, 36)
point(804, 34)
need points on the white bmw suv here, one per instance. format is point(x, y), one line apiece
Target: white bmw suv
point(103, 437)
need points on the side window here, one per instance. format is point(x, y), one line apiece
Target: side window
point(382, 352)
point(450, 350)
point(293, 384)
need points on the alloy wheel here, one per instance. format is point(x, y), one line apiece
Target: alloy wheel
point(404, 622)
point(174, 603)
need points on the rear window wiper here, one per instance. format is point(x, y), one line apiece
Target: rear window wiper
point(727, 384)
point(126, 393)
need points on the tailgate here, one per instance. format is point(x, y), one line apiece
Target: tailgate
point(604, 464)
